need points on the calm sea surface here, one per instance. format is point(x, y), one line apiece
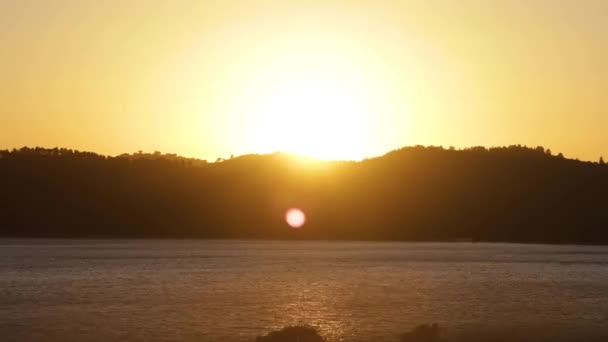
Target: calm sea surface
point(142, 290)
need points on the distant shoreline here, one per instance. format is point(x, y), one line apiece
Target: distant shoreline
point(177, 238)
point(513, 194)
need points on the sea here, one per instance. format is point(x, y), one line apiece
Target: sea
point(216, 290)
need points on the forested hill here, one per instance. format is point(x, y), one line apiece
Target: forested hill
point(515, 193)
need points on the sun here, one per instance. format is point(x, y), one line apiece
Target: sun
point(315, 116)
point(316, 103)
point(311, 95)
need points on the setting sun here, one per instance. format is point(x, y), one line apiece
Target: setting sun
point(316, 116)
point(314, 98)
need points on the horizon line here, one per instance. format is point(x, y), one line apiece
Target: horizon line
point(548, 151)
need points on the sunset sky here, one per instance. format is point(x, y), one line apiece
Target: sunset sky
point(328, 79)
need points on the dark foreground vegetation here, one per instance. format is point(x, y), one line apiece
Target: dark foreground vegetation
point(421, 333)
point(514, 193)
point(435, 333)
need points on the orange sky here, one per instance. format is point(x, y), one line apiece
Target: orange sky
point(341, 79)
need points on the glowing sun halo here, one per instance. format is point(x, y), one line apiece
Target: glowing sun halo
point(295, 218)
point(323, 107)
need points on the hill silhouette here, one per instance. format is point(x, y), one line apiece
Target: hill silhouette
point(514, 193)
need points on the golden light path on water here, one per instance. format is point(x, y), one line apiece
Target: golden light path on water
point(311, 303)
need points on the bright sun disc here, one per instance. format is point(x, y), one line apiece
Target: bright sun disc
point(295, 218)
point(320, 104)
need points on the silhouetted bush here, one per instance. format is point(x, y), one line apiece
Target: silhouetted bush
point(292, 334)
point(435, 333)
point(423, 333)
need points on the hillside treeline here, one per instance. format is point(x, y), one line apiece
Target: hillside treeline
point(514, 193)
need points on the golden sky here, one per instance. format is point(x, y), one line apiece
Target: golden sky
point(329, 79)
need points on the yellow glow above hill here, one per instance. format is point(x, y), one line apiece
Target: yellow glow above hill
point(328, 79)
point(313, 97)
